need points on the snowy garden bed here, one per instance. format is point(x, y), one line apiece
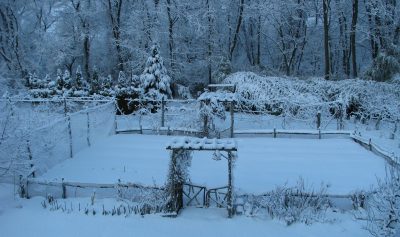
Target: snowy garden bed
point(263, 164)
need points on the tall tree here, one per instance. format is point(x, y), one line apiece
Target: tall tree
point(114, 12)
point(10, 45)
point(237, 29)
point(171, 22)
point(353, 37)
point(326, 22)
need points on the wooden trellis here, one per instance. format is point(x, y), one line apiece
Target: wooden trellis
point(180, 162)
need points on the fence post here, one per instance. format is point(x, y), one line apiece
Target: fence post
point(69, 127)
point(378, 123)
point(88, 128)
point(162, 112)
point(115, 117)
point(232, 105)
point(205, 120)
point(318, 119)
point(274, 132)
point(370, 144)
point(22, 191)
point(28, 146)
point(64, 189)
point(340, 124)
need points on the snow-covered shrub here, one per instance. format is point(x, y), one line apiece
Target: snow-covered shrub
point(290, 204)
point(147, 200)
point(106, 86)
point(385, 65)
point(40, 88)
point(95, 82)
point(211, 111)
point(80, 87)
point(182, 92)
point(302, 99)
point(383, 206)
point(223, 70)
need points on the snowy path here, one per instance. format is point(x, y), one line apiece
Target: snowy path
point(263, 163)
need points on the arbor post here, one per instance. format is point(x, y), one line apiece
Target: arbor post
point(232, 105)
point(230, 188)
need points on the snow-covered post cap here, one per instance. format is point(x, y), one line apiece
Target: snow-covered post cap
point(192, 143)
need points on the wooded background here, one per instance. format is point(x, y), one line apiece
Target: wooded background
point(200, 40)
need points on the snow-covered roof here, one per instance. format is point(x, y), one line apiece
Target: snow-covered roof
point(192, 143)
point(222, 96)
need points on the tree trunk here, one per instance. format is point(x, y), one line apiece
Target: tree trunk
point(171, 22)
point(353, 37)
point(374, 44)
point(237, 31)
point(326, 39)
point(115, 17)
point(344, 41)
point(258, 58)
point(209, 43)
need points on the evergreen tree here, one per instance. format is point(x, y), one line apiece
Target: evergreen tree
point(67, 80)
point(40, 88)
point(78, 79)
point(95, 82)
point(154, 79)
point(60, 80)
point(81, 87)
point(122, 89)
point(106, 86)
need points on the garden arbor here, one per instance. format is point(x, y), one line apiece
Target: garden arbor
point(181, 149)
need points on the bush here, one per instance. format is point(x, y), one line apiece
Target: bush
point(291, 204)
point(385, 66)
point(383, 207)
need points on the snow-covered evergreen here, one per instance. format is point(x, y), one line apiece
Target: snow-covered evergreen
point(105, 88)
point(95, 82)
point(80, 87)
point(154, 79)
point(40, 88)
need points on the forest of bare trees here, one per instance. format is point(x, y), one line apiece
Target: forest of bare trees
point(335, 39)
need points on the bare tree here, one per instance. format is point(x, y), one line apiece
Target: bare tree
point(114, 12)
point(326, 6)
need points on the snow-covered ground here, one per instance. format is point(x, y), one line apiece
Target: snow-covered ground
point(262, 164)
point(27, 217)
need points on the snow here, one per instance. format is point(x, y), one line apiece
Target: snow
point(222, 96)
point(202, 144)
point(27, 217)
point(262, 164)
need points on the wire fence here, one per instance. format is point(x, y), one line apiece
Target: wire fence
point(36, 135)
point(185, 115)
point(29, 147)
